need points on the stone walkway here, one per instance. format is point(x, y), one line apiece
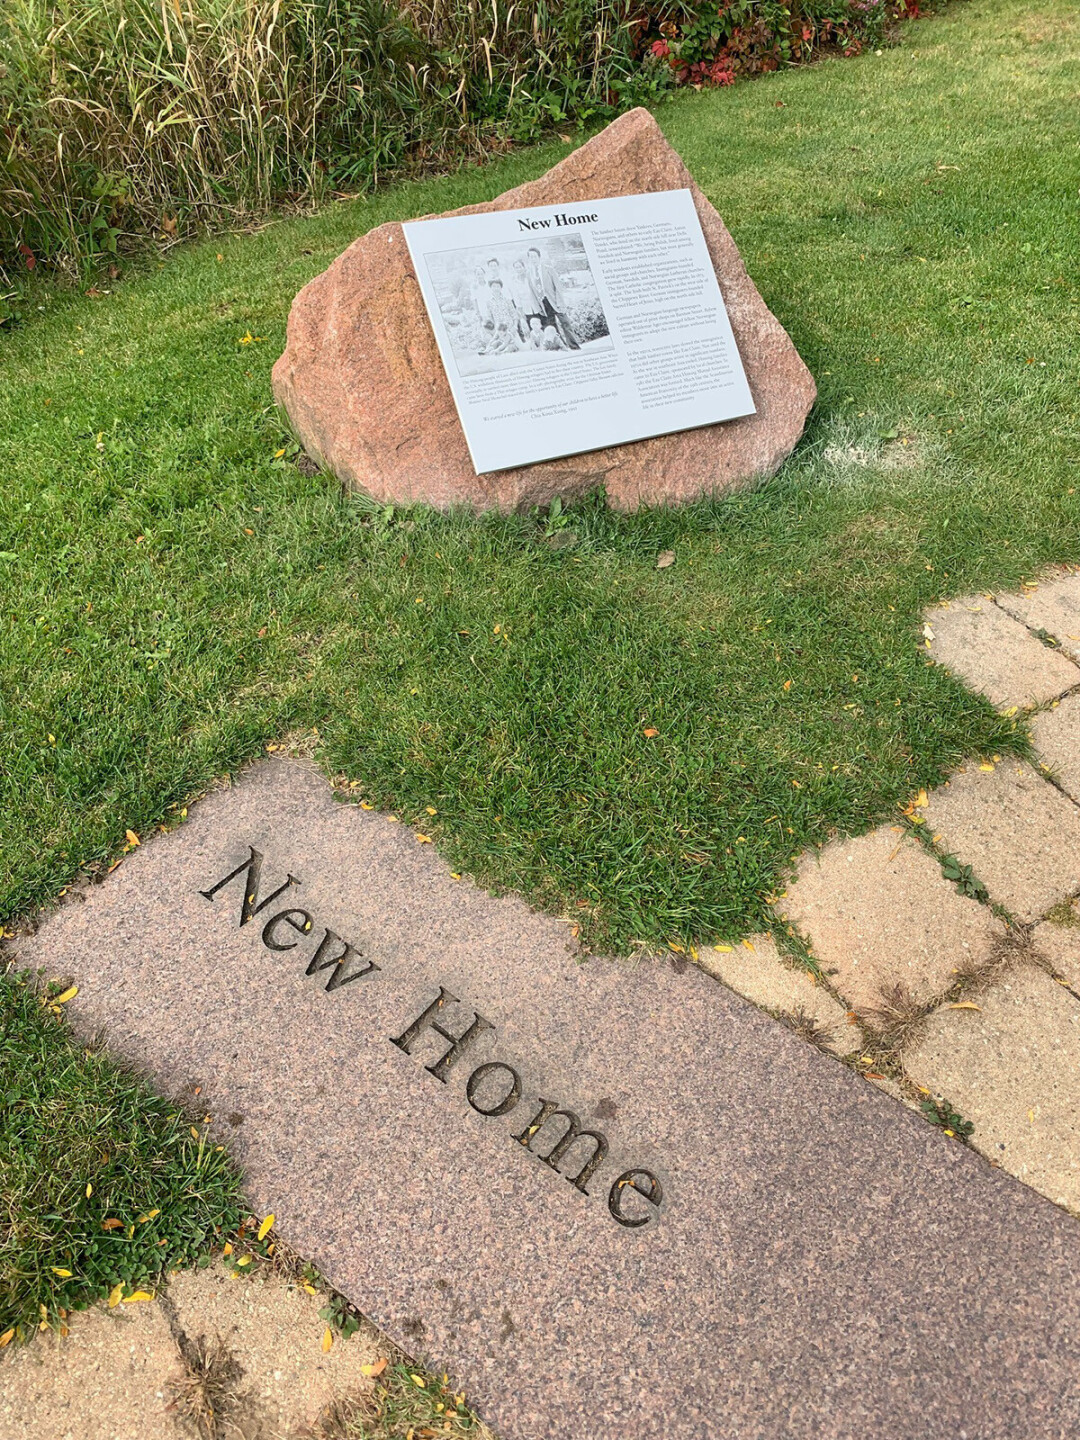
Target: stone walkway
point(938, 956)
point(960, 995)
point(125, 1373)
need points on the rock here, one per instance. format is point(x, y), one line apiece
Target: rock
point(364, 388)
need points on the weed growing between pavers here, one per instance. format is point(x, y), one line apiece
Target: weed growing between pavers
point(103, 1185)
point(407, 1401)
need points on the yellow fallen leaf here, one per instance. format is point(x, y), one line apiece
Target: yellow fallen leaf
point(431, 809)
point(137, 1296)
point(748, 945)
point(89, 1191)
point(365, 805)
point(227, 1249)
point(375, 1369)
point(327, 1339)
point(920, 799)
point(59, 1270)
point(422, 839)
point(964, 1005)
point(418, 1380)
point(112, 1224)
point(7, 1337)
point(310, 1289)
point(265, 1227)
point(244, 1260)
point(651, 733)
point(194, 1133)
point(114, 1296)
point(454, 875)
point(69, 994)
point(787, 684)
point(131, 837)
point(278, 454)
point(724, 949)
point(987, 769)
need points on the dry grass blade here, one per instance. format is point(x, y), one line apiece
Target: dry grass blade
point(805, 1027)
point(897, 1021)
point(205, 1395)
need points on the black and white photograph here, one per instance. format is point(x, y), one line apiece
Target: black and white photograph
point(512, 304)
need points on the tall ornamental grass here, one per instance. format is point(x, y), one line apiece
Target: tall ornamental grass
point(124, 119)
point(127, 117)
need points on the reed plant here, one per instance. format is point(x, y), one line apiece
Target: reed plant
point(126, 118)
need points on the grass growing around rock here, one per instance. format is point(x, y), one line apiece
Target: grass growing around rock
point(177, 594)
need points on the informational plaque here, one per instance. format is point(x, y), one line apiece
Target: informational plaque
point(569, 328)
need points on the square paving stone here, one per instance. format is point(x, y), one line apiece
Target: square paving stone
point(755, 970)
point(751, 1243)
point(1013, 1068)
point(997, 655)
point(878, 912)
point(1020, 836)
point(1060, 944)
point(1053, 607)
point(1056, 733)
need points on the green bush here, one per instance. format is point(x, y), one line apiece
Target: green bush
point(125, 119)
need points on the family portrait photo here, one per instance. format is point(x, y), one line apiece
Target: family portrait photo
point(511, 304)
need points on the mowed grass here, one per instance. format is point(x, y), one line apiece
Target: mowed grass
point(103, 1186)
point(174, 597)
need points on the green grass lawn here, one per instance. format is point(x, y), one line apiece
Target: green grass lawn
point(174, 597)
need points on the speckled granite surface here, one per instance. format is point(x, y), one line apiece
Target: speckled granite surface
point(822, 1263)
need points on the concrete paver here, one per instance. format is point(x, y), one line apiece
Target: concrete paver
point(274, 1333)
point(114, 1377)
point(1019, 834)
point(878, 911)
point(1053, 606)
point(1060, 945)
point(107, 1380)
point(760, 975)
point(1056, 733)
point(1013, 1068)
point(995, 654)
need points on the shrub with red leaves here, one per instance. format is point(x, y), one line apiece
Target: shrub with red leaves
point(714, 42)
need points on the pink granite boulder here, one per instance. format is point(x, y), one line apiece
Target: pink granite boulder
point(364, 388)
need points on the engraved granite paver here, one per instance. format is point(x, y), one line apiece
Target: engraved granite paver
point(1020, 836)
point(754, 1242)
point(1056, 733)
point(1013, 1068)
point(878, 912)
point(755, 970)
point(1053, 607)
point(997, 655)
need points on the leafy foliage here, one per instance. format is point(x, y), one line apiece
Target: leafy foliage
point(723, 39)
point(964, 878)
point(944, 1115)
